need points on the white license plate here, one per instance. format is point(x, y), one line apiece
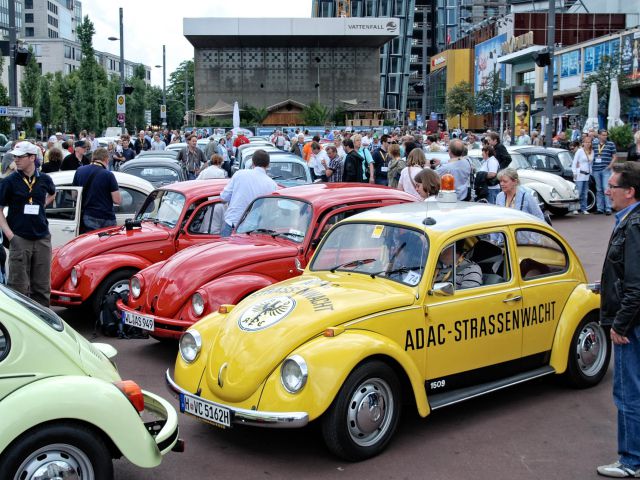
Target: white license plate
point(135, 320)
point(205, 410)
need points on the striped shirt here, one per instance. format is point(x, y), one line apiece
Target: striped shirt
point(603, 154)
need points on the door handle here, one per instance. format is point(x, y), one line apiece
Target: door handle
point(69, 229)
point(517, 298)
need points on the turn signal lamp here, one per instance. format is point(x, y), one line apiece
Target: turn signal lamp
point(447, 194)
point(133, 392)
point(225, 308)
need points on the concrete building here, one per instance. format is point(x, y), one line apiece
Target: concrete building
point(261, 62)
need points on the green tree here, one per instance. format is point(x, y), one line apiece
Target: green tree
point(175, 93)
point(30, 93)
point(315, 114)
point(5, 124)
point(62, 94)
point(487, 100)
point(153, 100)
point(608, 69)
point(90, 75)
point(253, 115)
point(459, 101)
point(45, 102)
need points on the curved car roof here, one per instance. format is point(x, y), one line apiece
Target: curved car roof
point(151, 161)
point(197, 188)
point(327, 194)
point(463, 215)
point(65, 177)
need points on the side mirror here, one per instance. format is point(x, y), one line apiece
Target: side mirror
point(298, 265)
point(442, 289)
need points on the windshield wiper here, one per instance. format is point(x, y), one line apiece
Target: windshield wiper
point(262, 230)
point(297, 178)
point(353, 263)
point(275, 176)
point(289, 234)
point(395, 270)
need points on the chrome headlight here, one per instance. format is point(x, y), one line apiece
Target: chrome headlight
point(293, 374)
point(554, 194)
point(190, 345)
point(135, 286)
point(74, 276)
point(197, 303)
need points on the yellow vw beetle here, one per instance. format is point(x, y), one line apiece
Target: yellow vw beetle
point(423, 304)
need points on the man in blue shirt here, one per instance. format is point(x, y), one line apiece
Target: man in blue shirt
point(604, 156)
point(26, 192)
point(99, 193)
point(619, 306)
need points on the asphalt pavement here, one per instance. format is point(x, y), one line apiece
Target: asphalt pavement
point(539, 430)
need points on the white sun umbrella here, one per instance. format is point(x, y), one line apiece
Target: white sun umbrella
point(592, 121)
point(613, 119)
point(236, 117)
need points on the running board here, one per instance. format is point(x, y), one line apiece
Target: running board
point(440, 400)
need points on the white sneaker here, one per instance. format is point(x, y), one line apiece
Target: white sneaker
point(617, 470)
point(576, 212)
point(585, 213)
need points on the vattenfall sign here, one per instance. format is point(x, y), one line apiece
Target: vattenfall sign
point(517, 43)
point(384, 26)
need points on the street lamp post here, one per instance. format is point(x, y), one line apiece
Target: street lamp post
point(318, 80)
point(124, 130)
point(186, 95)
point(164, 84)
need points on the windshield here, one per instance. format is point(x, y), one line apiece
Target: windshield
point(45, 314)
point(162, 206)
point(519, 161)
point(394, 252)
point(277, 216)
point(158, 176)
point(565, 159)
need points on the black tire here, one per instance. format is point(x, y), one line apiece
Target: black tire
point(591, 200)
point(76, 447)
point(589, 354)
point(114, 281)
point(350, 432)
point(558, 212)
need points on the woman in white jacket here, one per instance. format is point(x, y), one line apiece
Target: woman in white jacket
point(581, 166)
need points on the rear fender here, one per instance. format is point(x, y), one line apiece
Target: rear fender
point(330, 360)
point(580, 303)
point(95, 269)
point(86, 399)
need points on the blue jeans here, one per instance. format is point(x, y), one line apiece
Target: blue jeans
point(492, 195)
point(626, 396)
point(583, 191)
point(226, 230)
point(191, 176)
point(90, 223)
point(602, 178)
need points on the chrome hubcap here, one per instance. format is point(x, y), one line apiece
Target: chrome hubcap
point(370, 412)
point(56, 462)
point(591, 349)
point(121, 286)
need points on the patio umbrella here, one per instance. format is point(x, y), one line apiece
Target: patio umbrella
point(592, 121)
point(613, 119)
point(236, 117)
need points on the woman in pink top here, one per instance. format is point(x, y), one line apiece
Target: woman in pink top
point(415, 163)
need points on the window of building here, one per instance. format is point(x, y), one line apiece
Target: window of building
point(28, 18)
point(52, 7)
point(526, 78)
point(399, 8)
point(53, 21)
point(67, 51)
point(52, 33)
point(28, 4)
point(28, 32)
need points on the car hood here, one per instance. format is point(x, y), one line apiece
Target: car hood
point(262, 330)
point(562, 186)
point(104, 240)
point(195, 266)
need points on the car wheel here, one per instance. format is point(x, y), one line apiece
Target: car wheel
point(364, 414)
point(558, 212)
point(591, 200)
point(58, 451)
point(116, 282)
point(589, 354)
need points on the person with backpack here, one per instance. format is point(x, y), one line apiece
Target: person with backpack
point(486, 181)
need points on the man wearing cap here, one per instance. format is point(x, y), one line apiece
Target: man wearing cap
point(26, 192)
point(78, 158)
point(100, 192)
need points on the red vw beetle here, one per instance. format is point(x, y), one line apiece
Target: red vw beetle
point(92, 266)
point(274, 241)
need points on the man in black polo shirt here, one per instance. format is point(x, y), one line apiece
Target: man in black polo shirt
point(99, 192)
point(26, 192)
point(78, 158)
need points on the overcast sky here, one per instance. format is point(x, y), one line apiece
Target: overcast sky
point(149, 25)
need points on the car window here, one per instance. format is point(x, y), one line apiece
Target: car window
point(131, 201)
point(474, 261)
point(285, 217)
point(287, 171)
point(208, 219)
point(4, 343)
point(45, 314)
point(63, 206)
point(539, 254)
point(155, 175)
point(335, 218)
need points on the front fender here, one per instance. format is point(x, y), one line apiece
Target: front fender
point(330, 360)
point(230, 289)
point(85, 399)
point(581, 302)
point(95, 269)
point(541, 189)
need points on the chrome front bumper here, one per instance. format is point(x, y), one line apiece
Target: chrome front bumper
point(254, 418)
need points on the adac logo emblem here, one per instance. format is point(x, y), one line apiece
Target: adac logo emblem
point(391, 26)
point(266, 313)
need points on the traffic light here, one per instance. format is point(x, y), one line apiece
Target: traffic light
point(542, 58)
point(128, 90)
point(22, 56)
point(418, 88)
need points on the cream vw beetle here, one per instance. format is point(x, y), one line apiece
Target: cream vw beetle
point(383, 316)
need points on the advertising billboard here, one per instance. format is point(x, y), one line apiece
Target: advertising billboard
point(521, 107)
point(630, 55)
point(486, 55)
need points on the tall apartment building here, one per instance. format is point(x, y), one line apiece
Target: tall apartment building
point(4, 17)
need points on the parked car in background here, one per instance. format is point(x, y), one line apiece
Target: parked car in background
point(158, 170)
point(158, 153)
point(66, 413)
point(557, 161)
point(97, 264)
point(375, 324)
point(274, 241)
point(63, 213)
point(286, 169)
point(557, 195)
